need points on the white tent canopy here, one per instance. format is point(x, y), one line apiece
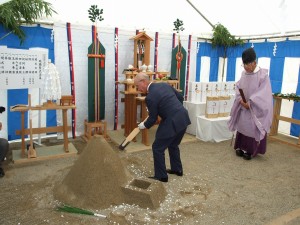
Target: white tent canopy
point(241, 18)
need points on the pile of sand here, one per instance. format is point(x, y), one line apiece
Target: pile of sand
point(96, 178)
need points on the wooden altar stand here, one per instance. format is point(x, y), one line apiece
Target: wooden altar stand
point(130, 93)
point(276, 117)
point(64, 128)
point(130, 112)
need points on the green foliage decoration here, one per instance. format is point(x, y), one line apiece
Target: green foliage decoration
point(178, 24)
point(291, 96)
point(72, 209)
point(95, 14)
point(17, 12)
point(222, 37)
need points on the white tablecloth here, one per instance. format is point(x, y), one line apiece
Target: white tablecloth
point(213, 129)
point(194, 109)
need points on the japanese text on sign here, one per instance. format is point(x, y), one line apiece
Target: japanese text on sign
point(21, 68)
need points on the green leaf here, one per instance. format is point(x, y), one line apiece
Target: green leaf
point(71, 209)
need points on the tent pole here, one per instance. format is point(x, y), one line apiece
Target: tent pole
point(201, 14)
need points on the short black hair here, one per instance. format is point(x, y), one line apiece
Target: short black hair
point(248, 56)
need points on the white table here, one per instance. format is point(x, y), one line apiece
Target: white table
point(194, 110)
point(213, 129)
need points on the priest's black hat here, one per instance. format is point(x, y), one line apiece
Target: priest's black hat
point(2, 109)
point(248, 56)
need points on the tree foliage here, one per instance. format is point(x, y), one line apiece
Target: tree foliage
point(17, 12)
point(222, 37)
point(178, 24)
point(95, 14)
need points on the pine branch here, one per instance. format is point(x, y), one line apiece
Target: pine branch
point(71, 209)
point(16, 12)
point(292, 96)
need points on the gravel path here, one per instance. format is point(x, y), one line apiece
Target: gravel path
point(217, 188)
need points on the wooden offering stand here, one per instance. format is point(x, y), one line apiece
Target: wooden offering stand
point(92, 128)
point(276, 118)
point(66, 100)
point(40, 130)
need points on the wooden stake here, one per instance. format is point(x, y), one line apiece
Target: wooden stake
point(31, 151)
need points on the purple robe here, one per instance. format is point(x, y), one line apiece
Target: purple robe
point(256, 121)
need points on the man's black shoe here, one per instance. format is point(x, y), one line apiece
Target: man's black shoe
point(159, 179)
point(178, 173)
point(239, 152)
point(1, 172)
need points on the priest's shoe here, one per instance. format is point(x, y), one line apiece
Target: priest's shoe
point(247, 156)
point(239, 152)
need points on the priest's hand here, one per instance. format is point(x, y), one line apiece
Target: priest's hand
point(245, 105)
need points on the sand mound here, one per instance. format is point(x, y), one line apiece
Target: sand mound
point(96, 178)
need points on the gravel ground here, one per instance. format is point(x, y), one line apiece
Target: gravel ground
point(217, 188)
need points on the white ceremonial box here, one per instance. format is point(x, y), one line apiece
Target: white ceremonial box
point(231, 87)
point(224, 90)
point(195, 92)
point(224, 106)
point(206, 90)
point(189, 98)
point(215, 88)
point(212, 107)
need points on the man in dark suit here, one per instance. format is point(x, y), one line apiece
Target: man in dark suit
point(164, 101)
point(4, 147)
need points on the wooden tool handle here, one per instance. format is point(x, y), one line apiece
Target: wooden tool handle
point(242, 95)
point(31, 152)
point(130, 137)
